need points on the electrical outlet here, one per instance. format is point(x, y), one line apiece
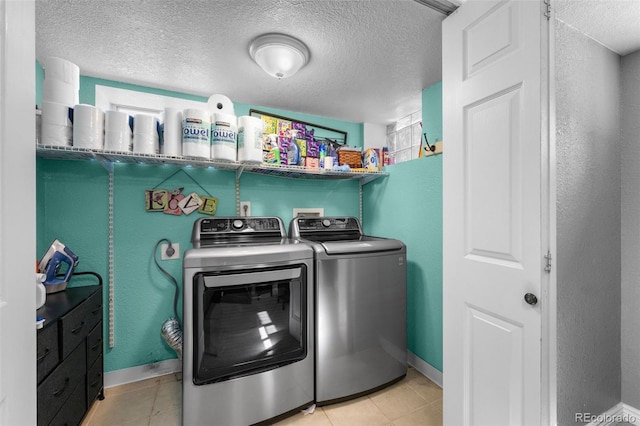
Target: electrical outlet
point(166, 256)
point(245, 208)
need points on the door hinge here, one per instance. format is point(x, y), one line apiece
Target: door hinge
point(547, 12)
point(548, 258)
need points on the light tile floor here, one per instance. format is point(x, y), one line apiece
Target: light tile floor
point(415, 400)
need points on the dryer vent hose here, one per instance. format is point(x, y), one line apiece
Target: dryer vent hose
point(172, 334)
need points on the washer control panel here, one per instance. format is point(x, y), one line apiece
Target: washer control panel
point(328, 224)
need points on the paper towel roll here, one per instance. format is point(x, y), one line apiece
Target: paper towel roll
point(88, 127)
point(220, 103)
point(145, 134)
point(224, 131)
point(250, 131)
point(117, 132)
point(196, 133)
point(59, 92)
point(172, 132)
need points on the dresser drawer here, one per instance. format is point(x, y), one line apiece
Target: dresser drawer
point(95, 380)
point(55, 389)
point(47, 356)
point(75, 326)
point(73, 411)
point(94, 344)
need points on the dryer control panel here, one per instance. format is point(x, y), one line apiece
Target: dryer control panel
point(208, 231)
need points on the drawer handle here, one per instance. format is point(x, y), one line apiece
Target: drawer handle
point(94, 347)
point(96, 310)
point(66, 383)
point(77, 329)
point(46, 352)
point(94, 384)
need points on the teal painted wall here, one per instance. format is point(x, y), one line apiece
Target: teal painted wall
point(72, 200)
point(72, 203)
point(408, 205)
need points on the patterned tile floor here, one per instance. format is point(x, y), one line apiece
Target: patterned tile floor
point(415, 400)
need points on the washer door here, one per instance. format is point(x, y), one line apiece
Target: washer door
point(248, 321)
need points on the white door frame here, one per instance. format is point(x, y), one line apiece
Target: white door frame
point(549, 324)
point(17, 213)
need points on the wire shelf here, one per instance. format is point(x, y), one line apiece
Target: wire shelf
point(294, 172)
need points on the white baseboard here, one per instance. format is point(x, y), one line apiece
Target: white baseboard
point(617, 414)
point(141, 372)
point(149, 371)
point(429, 371)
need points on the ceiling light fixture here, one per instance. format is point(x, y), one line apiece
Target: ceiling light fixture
point(279, 55)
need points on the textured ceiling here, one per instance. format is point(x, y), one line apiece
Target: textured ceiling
point(370, 59)
point(613, 23)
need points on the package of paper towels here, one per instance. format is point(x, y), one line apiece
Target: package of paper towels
point(224, 130)
point(57, 125)
point(196, 133)
point(171, 132)
point(145, 134)
point(250, 131)
point(117, 131)
point(88, 127)
point(220, 104)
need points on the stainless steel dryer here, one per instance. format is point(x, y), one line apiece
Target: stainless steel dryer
point(248, 322)
point(360, 293)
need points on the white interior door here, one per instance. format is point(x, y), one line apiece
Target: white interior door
point(493, 218)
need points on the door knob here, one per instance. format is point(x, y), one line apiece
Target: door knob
point(531, 299)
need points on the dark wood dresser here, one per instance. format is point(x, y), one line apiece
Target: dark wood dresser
point(70, 361)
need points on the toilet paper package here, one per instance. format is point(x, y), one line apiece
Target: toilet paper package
point(56, 124)
point(61, 81)
point(220, 104)
point(172, 132)
point(118, 135)
point(145, 134)
point(224, 130)
point(59, 92)
point(250, 131)
point(196, 133)
point(145, 144)
point(88, 127)
point(60, 69)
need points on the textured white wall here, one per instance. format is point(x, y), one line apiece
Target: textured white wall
point(588, 221)
point(630, 132)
